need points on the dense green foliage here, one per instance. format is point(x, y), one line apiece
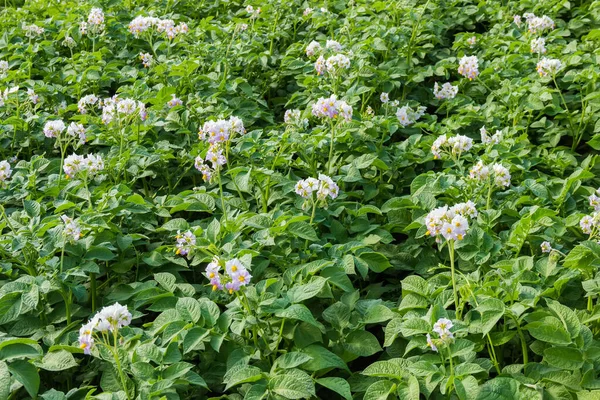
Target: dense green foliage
point(346, 295)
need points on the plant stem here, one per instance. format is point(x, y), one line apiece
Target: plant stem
point(93, 290)
point(330, 170)
point(118, 362)
point(454, 290)
point(221, 193)
point(489, 195)
point(314, 209)
point(523, 342)
point(576, 138)
point(493, 354)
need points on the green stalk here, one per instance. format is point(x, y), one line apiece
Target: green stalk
point(118, 362)
point(489, 195)
point(454, 290)
point(221, 193)
point(576, 137)
point(93, 290)
point(493, 354)
point(330, 170)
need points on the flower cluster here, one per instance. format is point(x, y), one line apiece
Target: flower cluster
point(3, 68)
point(147, 59)
point(71, 229)
point(313, 48)
point(442, 328)
point(469, 67)
point(7, 91)
point(471, 41)
point(174, 102)
point(95, 22)
point(332, 65)
point(5, 171)
point(294, 118)
point(254, 12)
point(517, 20)
point(236, 275)
point(87, 100)
point(594, 200)
point(33, 97)
point(546, 247)
point(407, 116)
point(446, 91)
point(331, 107)
point(77, 130)
point(538, 45)
point(450, 222)
point(323, 187)
point(538, 24)
point(481, 172)
point(117, 108)
point(455, 145)
point(548, 66)
point(140, 25)
point(109, 319)
point(185, 243)
point(53, 129)
point(222, 130)
point(496, 138)
point(31, 31)
point(89, 165)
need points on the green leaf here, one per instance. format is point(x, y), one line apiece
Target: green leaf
point(4, 381)
point(299, 312)
point(362, 343)
point(99, 253)
point(194, 337)
point(189, 309)
point(303, 230)
point(550, 330)
point(292, 360)
point(379, 390)
point(57, 361)
point(564, 357)
point(338, 385)
point(210, 311)
point(27, 374)
point(567, 316)
point(19, 350)
point(385, 369)
point(241, 373)
point(322, 359)
point(176, 224)
point(300, 293)
point(499, 389)
point(166, 280)
point(467, 388)
point(293, 384)
point(491, 311)
point(32, 208)
point(377, 262)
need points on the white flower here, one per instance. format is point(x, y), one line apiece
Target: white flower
point(546, 247)
point(116, 315)
point(384, 97)
point(3, 68)
point(54, 128)
point(586, 223)
point(430, 343)
point(185, 242)
point(469, 67)
point(174, 101)
point(471, 41)
point(496, 138)
point(307, 11)
point(548, 66)
point(407, 116)
point(313, 48)
point(447, 91)
point(538, 45)
point(594, 200)
point(336, 63)
point(479, 171)
point(77, 130)
point(5, 171)
point(442, 326)
point(517, 20)
point(501, 175)
point(455, 145)
point(333, 45)
point(539, 24)
point(331, 107)
point(71, 228)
